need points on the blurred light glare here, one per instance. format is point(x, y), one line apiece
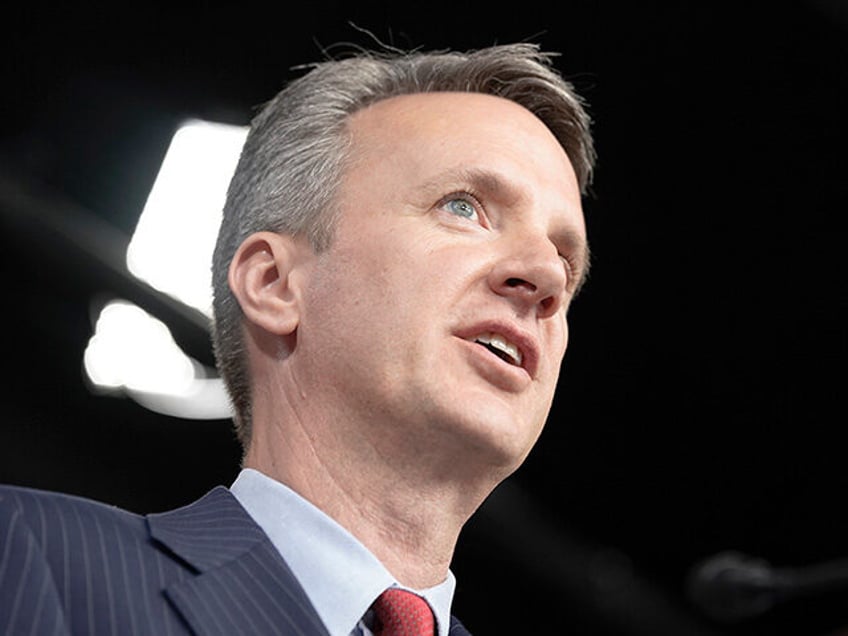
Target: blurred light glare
point(132, 349)
point(133, 352)
point(171, 248)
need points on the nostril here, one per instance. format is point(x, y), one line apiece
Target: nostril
point(519, 282)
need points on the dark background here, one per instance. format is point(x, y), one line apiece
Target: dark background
point(701, 401)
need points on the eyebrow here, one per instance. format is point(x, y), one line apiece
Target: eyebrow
point(494, 185)
point(480, 179)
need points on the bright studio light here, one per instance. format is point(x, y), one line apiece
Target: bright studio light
point(133, 353)
point(172, 246)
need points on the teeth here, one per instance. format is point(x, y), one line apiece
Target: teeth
point(498, 342)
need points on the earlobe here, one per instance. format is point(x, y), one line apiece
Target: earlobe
point(260, 277)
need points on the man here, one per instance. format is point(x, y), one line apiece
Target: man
point(399, 247)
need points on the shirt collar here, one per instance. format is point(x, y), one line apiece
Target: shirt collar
point(339, 575)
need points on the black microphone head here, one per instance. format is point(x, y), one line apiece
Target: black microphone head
point(732, 586)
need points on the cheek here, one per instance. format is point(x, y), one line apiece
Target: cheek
point(557, 338)
point(564, 337)
point(366, 293)
point(557, 331)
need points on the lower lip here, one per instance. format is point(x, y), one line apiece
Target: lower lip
point(498, 372)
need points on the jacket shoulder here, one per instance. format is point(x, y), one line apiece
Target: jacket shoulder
point(77, 565)
point(46, 512)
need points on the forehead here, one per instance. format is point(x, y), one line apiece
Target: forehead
point(418, 114)
point(427, 139)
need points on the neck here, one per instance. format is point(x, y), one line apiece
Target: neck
point(409, 519)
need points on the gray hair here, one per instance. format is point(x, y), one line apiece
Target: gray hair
point(298, 144)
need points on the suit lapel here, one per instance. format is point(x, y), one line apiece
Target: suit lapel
point(457, 628)
point(242, 586)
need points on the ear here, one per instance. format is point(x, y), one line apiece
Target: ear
point(260, 277)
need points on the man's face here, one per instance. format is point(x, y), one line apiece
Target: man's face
point(436, 320)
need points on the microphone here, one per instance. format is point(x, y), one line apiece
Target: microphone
point(732, 586)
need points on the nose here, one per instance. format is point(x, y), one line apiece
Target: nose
point(532, 276)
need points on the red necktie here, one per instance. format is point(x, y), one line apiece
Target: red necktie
point(402, 613)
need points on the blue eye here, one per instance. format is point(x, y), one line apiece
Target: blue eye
point(461, 207)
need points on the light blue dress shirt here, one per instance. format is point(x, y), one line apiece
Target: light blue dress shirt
point(340, 576)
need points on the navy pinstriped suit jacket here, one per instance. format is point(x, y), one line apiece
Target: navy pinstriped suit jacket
point(74, 566)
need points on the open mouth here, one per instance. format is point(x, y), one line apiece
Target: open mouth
point(501, 347)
